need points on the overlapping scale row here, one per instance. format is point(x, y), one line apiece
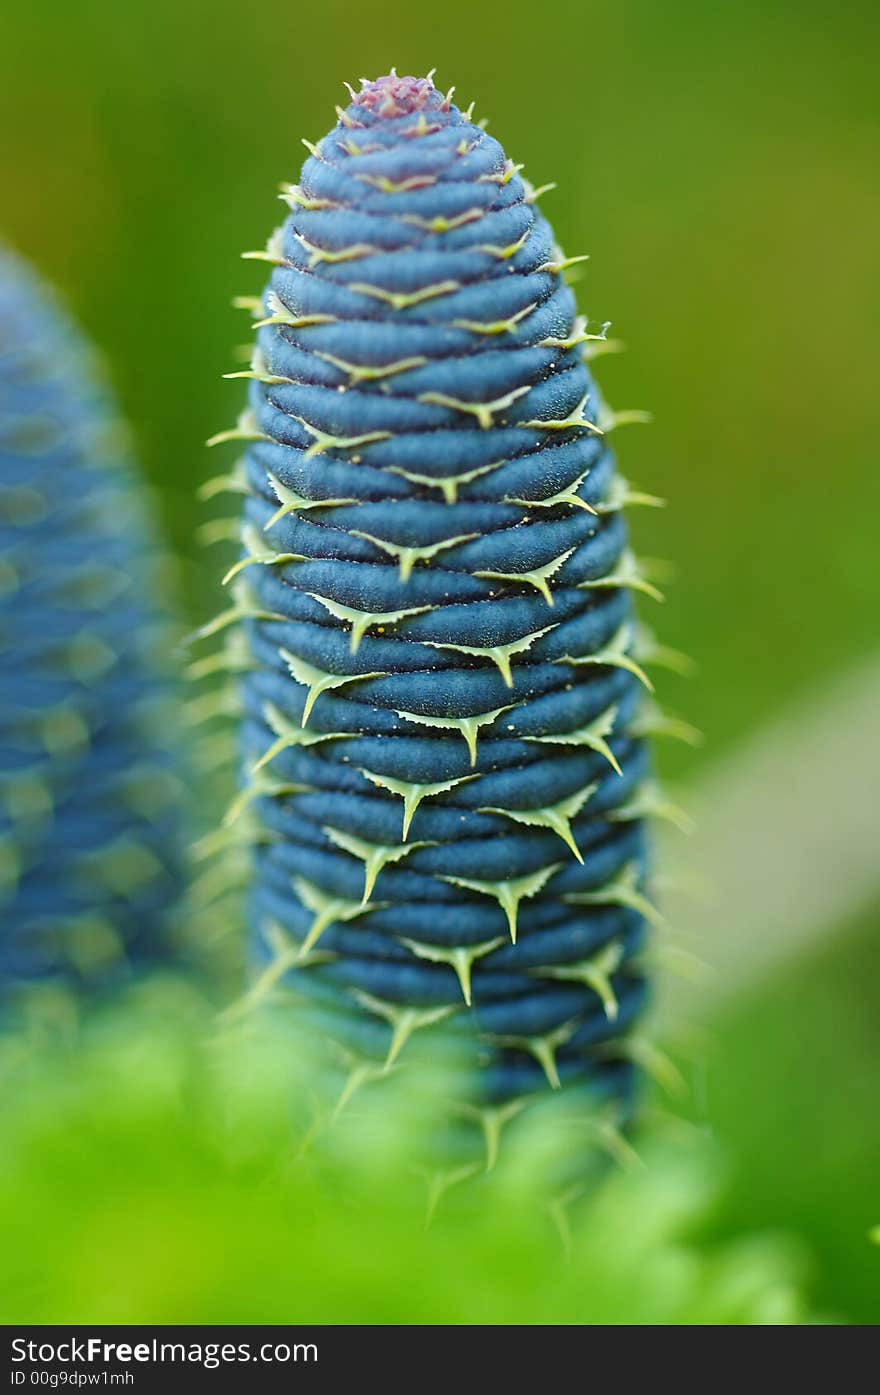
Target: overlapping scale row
point(442, 687)
point(89, 801)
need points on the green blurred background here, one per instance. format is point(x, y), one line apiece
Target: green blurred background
point(717, 162)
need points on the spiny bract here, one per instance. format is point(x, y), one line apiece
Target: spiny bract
point(442, 727)
point(89, 805)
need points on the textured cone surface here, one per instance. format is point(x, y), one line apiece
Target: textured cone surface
point(438, 618)
point(89, 804)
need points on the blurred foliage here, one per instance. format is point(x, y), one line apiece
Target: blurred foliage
point(154, 1171)
point(718, 163)
point(791, 1088)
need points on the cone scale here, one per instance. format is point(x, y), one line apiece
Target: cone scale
point(441, 704)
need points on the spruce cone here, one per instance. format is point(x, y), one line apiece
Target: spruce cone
point(441, 705)
point(90, 860)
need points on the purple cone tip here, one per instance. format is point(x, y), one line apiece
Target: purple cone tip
point(393, 96)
